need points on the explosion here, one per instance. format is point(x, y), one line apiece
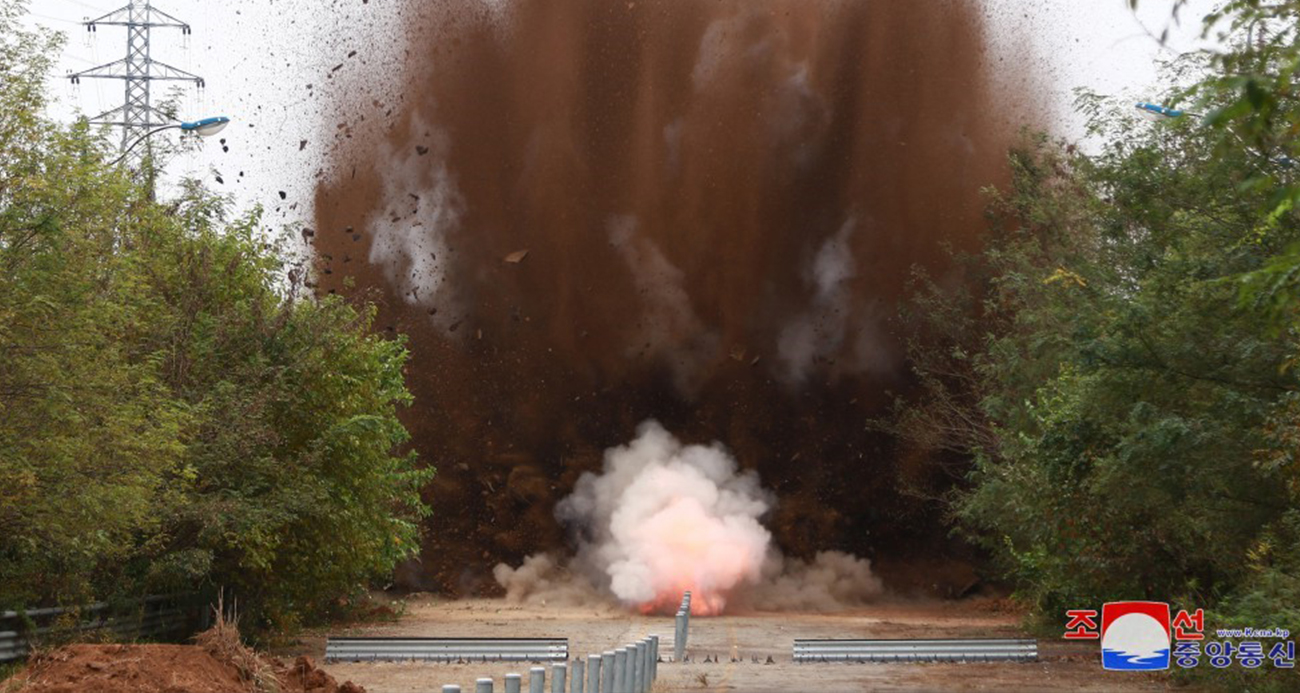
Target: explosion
point(703, 213)
point(663, 518)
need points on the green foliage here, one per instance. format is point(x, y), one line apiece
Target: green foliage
point(1125, 380)
point(173, 415)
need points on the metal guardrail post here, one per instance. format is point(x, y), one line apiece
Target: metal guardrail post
point(537, 680)
point(483, 686)
point(578, 678)
point(679, 638)
point(608, 669)
point(559, 676)
point(513, 683)
point(686, 630)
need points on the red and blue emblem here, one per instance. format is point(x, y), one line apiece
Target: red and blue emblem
point(1135, 636)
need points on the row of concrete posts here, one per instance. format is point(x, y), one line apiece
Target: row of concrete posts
point(629, 669)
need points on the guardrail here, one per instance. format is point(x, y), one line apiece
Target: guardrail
point(915, 650)
point(151, 617)
point(446, 649)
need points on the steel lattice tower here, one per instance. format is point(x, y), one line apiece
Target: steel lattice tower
point(136, 116)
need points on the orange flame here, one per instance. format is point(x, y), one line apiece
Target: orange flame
point(693, 550)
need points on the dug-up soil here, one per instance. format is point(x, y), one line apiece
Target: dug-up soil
point(162, 669)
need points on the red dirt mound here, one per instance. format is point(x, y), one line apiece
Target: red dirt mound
point(304, 677)
point(161, 669)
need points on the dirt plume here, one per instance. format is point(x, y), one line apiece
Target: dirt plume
point(720, 203)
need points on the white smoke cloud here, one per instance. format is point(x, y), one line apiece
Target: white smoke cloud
point(833, 581)
point(421, 205)
point(542, 578)
point(670, 329)
point(664, 517)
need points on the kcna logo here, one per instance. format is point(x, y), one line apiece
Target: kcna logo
point(1134, 635)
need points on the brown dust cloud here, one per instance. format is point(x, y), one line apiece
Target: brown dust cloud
point(586, 214)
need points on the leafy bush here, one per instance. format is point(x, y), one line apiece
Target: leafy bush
point(1124, 379)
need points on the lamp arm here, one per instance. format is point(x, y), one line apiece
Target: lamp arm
point(142, 138)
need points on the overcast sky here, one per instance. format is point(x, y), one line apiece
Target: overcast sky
point(259, 56)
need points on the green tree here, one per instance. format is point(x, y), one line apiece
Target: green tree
point(74, 402)
point(174, 413)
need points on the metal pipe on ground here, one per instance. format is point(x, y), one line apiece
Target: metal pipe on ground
point(654, 658)
point(559, 675)
point(483, 686)
point(514, 683)
point(578, 678)
point(608, 668)
point(451, 688)
point(537, 680)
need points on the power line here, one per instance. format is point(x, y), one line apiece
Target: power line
point(48, 18)
point(85, 5)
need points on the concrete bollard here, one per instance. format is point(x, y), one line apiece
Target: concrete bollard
point(451, 688)
point(593, 673)
point(654, 659)
point(648, 669)
point(559, 676)
point(645, 667)
point(483, 686)
point(638, 668)
point(537, 680)
point(608, 664)
point(514, 683)
point(679, 638)
point(578, 678)
point(629, 673)
point(620, 671)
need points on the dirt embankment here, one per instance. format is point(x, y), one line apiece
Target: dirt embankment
point(162, 669)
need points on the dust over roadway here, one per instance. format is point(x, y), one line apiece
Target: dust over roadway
point(720, 204)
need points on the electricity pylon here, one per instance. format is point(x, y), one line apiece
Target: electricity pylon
point(136, 116)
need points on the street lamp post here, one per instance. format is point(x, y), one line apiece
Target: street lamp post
point(206, 127)
point(1156, 112)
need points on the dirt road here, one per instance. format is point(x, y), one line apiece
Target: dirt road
point(1062, 667)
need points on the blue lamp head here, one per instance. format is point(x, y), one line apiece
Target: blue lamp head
point(1153, 111)
point(206, 127)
